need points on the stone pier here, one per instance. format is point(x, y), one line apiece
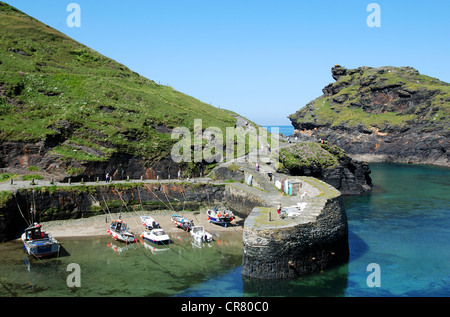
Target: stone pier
point(312, 235)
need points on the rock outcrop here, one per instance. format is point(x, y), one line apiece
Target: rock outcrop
point(329, 164)
point(382, 114)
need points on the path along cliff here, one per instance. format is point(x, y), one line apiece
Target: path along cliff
point(307, 235)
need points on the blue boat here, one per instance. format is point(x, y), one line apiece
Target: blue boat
point(223, 218)
point(39, 243)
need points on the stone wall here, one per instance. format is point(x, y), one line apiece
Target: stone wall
point(242, 199)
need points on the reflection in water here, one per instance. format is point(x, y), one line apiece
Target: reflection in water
point(111, 268)
point(333, 283)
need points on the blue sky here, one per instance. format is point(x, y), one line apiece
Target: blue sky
point(263, 59)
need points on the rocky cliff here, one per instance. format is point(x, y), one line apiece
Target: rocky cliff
point(381, 114)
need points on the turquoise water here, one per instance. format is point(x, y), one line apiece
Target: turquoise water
point(402, 225)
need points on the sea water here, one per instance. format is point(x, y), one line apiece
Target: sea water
point(402, 226)
point(286, 130)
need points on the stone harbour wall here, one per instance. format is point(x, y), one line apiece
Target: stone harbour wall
point(287, 248)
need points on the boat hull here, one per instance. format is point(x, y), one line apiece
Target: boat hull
point(40, 249)
point(156, 236)
point(123, 237)
point(219, 218)
point(157, 241)
point(220, 221)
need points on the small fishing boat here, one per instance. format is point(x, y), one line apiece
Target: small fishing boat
point(199, 233)
point(38, 242)
point(149, 223)
point(157, 236)
point(182, 223)
point(119, 231)
point(223, 218)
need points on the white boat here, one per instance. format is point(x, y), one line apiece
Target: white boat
point(199, 233)
point(149, 223)
point(119, 231)
point(38, 242)
point(157, 236)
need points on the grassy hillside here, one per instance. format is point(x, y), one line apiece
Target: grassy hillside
point(82, 104)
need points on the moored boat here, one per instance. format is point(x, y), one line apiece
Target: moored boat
point(119, 231)
point(199, 233)
point(38, 242)
point(182, 223)
point(223, 218)
point(157, 236)
point(149, 223)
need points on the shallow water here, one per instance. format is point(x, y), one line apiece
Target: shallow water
point(402, 225)
point(111, 268)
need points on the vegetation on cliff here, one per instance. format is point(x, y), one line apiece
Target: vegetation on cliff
point(310, 155)
point(82, 105)
point(328, 163)
point(379, 99)
point(385, 114)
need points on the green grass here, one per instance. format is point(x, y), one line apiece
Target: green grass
point(31, 177)
point(311, 155)
point(47, 78)
point(6, 177)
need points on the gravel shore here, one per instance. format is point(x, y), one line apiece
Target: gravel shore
point(97, 225)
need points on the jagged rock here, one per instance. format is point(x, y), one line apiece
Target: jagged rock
point(382, 114)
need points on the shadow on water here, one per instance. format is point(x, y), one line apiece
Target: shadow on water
point(330, 283)
point(357, 246)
